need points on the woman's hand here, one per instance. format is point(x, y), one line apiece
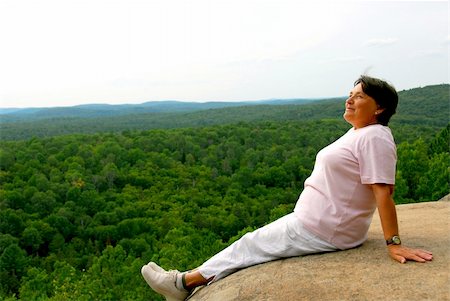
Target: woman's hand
point(388, 217)
point(402, 254)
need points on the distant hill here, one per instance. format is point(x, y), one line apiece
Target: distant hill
point(426, 106)
point(105, 110)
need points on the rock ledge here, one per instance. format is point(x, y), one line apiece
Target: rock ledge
point(364, 273)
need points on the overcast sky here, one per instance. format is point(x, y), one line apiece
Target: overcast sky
point(60, 53)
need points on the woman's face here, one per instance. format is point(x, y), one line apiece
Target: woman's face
point(360, 108)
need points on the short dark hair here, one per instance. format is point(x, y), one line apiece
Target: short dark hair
point(384, 95)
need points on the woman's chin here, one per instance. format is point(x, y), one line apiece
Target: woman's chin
point(347, 116)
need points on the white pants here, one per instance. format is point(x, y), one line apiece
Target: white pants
point(282, 238)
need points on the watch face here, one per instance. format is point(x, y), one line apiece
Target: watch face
point(396, 240)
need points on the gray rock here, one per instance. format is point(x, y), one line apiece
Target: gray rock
point(364, 273)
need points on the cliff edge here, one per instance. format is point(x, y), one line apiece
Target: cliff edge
point(363, 273)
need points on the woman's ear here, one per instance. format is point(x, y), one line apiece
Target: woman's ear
point(379, 111)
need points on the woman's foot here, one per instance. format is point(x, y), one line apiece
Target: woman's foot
point(164, 283)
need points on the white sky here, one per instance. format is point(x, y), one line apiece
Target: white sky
point(60, 53)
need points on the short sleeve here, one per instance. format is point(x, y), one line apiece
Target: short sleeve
point(377, 158)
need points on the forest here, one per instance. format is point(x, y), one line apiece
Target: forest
point(81, 213)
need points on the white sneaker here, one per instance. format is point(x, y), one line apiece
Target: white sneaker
point(164, 283)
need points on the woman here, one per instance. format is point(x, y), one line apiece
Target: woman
point(351, 178)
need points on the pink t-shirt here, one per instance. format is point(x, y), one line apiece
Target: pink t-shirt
point(336, 204)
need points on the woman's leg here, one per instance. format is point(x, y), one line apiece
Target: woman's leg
point(284, 237)
point(194, 279)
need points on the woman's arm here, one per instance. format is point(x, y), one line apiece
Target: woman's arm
point(388, 217)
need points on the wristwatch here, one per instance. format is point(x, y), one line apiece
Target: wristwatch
point(394, 240)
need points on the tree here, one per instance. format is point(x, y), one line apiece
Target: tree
point(440, 144)
point(413, 163)
point(13, 263)
point(6, 159)
point(110, 172)
point(41, 203)
point(12, 222)
point(434, 183)
point(36, 285)
point(65, 281)
point(31, 239)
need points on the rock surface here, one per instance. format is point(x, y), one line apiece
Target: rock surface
point(364, 273)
